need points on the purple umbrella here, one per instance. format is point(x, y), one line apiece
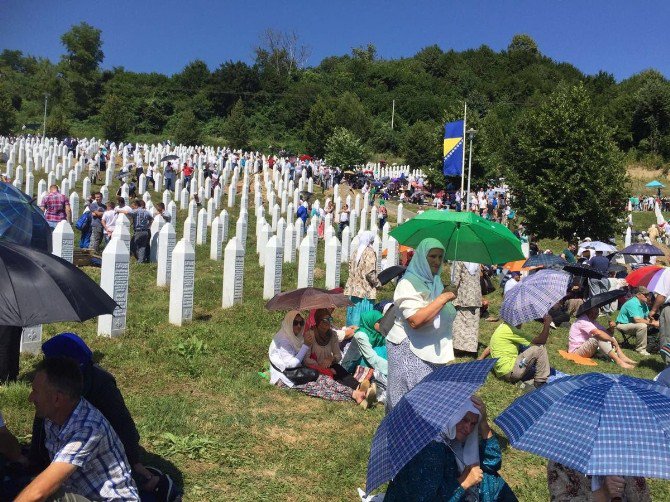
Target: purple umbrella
point(642, 249)
point(534, 296)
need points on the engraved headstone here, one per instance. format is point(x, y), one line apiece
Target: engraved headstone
point(156, 227)
point(182, 283)
point(333, 261)
point(201, 237)
point(233, 273)
point(62, 239)
point(215, 245)
point(273, 269)
point(167, 239)
point(306, 263)
point(114, 277)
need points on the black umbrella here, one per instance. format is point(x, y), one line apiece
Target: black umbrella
point(600, 300)
point(616, 268)
point(583, 270)
point(169, 157)
point(38, 288)
point(390, 273)
point(21, 221)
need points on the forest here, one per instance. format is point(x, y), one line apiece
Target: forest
point(279, 103)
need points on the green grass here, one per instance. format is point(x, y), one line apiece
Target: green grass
point(225, 432)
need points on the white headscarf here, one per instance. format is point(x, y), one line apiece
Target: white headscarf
point(420, 268)
point(286, 331)
point(467, 452)
point(365, 239)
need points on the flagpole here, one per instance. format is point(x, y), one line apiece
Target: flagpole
point(465, 118)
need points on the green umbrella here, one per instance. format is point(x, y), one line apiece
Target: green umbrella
point(465, 236)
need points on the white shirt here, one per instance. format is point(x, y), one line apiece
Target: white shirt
point(431, 344)
point(510, 284)
point(109, 220)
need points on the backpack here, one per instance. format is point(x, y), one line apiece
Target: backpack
point(84, 222)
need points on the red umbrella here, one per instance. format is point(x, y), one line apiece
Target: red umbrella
point(643, 276)
point(307, 299)
point(305, 157)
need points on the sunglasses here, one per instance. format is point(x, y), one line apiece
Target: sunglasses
point(329, 320)
point(298, 323)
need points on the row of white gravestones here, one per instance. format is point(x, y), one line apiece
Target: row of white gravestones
point(182, 283)
point(233, 273)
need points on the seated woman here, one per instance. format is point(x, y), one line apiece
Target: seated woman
point(368, 346)
point(287, 351)
point(568, 485)
point(325, 355)
point(462, 466)
point(587, 337)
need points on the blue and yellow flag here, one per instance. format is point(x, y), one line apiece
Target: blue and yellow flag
point(453, 148)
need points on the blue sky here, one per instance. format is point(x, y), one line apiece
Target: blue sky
point(621, 37)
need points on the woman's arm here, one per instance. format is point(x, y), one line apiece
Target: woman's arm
point(426, 314)
point(368, 353)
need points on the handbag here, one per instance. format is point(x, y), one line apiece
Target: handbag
point(301, 375)
point(486, 284)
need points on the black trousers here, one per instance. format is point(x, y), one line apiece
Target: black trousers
point(342, 376)
point(10, 348)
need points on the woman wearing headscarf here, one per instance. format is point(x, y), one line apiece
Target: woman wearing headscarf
point(462, 465)
point(287, 351)
point(468, 302)
point(420, 339)
point(368, 345)
point(362, 282)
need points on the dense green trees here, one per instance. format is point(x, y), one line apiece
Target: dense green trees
point(564, 169)
point(276, 103)
point(344, 149)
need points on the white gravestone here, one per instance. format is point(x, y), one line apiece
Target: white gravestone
point(201, 237)
point(74, 206)
point(215, 245)
point(183, 199)
point(224, 219)
point(156, 227)
point(172, 209)
point(30, 183)
point(86, 188)
point(289, 244)
point(192, 209)
point(41, 188)
point(241, 228)
point(167, 197)
point(210, 211)
point(114, 277)
point(273, 269)
point(63, 241)
point(353, 222)
point(346, 241)
point(263, 239)
point(142, 183)
point(189, 230)
point(167, 239)
point(232, 192)
point(233, 273)
point(306, 263)
point(281, 230)
point(333, 261)
point(182, 283)
point(31, 340)
point(377, 246)
point(399, 212)
point(392, 253)
point(121, 232)
point(385, 234)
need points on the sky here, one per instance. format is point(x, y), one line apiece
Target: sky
point(619, 37)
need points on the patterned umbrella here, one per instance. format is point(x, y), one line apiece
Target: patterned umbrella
point(21, 221)
point(544, 260)
point(595, 423)
point(596, 246)
point(642, 249)
point(647, 276)
point(534, 296)
point(420, 416)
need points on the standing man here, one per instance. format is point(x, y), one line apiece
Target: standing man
point(142, 225)
point(97, 209)
point(87, 457)
point(56, 207)
point(634, 318)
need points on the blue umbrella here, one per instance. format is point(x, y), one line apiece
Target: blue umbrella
point(21, 221)
point(533, 297)
point(544, 260)
point(642, 249)
point(655, 184)
point(420, 416)
point(596, 424)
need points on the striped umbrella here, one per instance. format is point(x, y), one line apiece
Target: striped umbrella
point(647, 276)
point(534, 296)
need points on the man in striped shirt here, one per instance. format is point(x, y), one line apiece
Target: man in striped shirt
point(87, 457)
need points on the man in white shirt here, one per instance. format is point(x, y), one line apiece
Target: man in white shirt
point(662, 292)
point(512, 282)
point(108, 220)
